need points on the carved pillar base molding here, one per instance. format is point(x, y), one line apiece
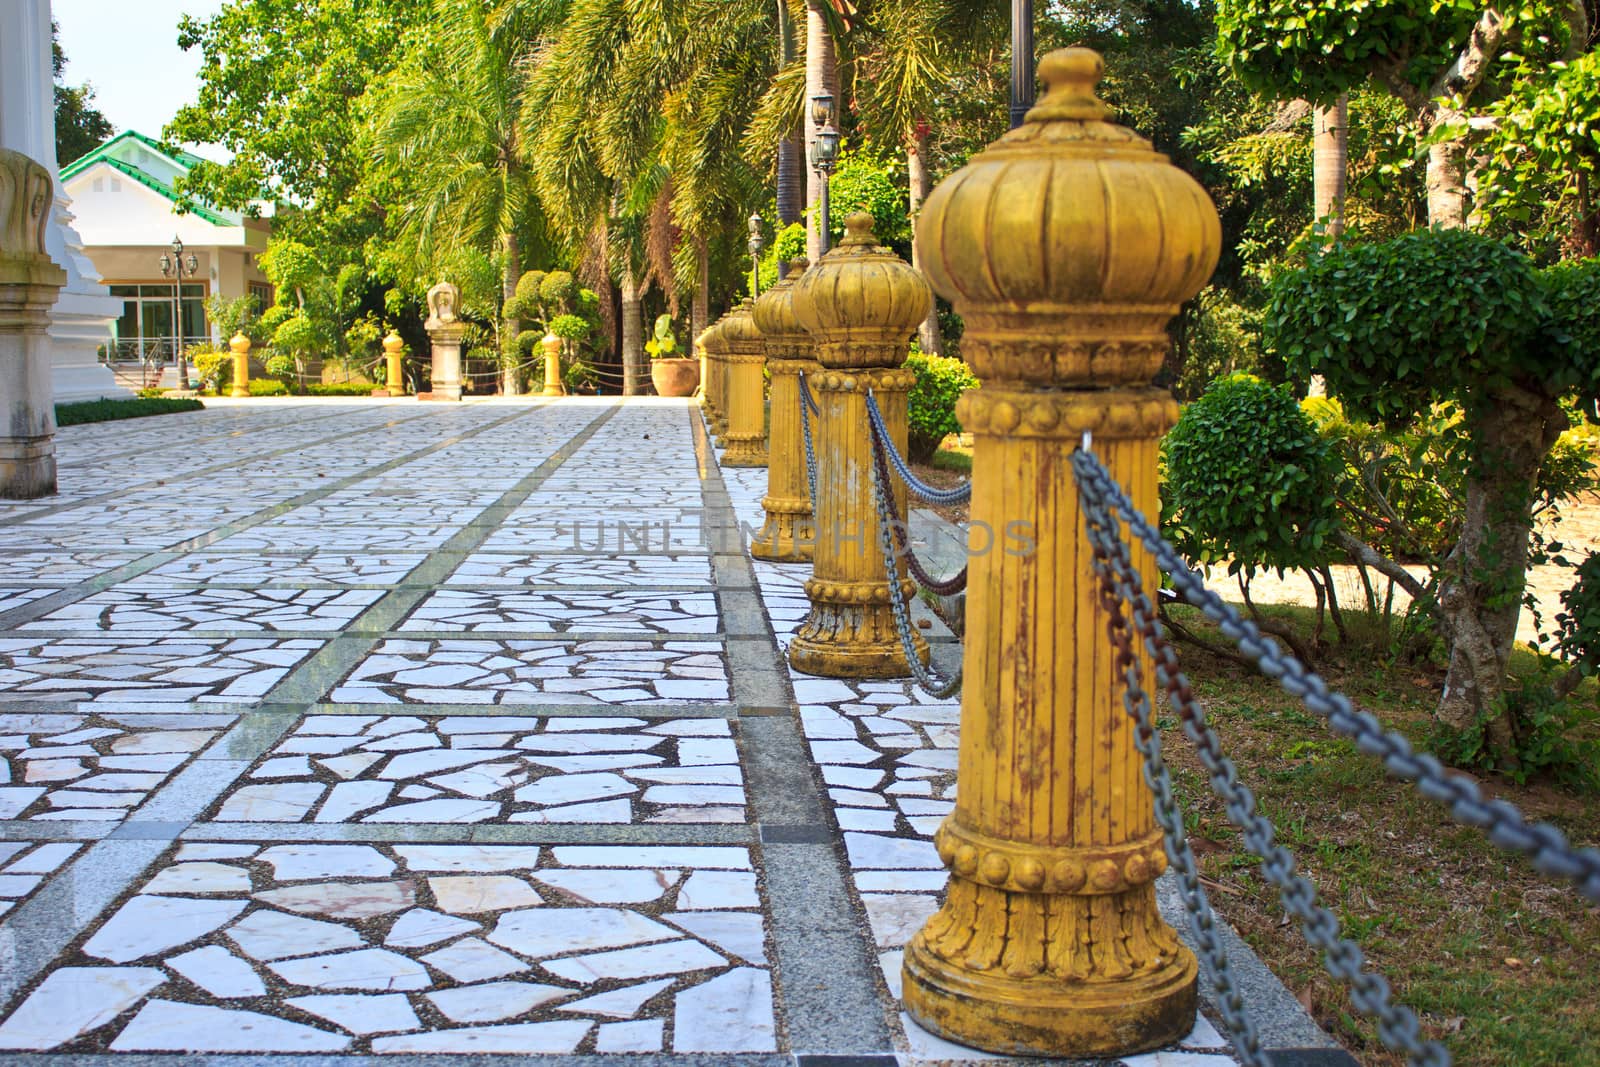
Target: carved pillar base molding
point(850, 631)
point(29, 284)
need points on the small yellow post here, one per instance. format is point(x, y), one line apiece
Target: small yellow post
point(394, 376)
point(703, 390)
point(240, 346)
point(552, 366)
point(716, 358)
point(789, 534)
point(860, 305)
point(1066, 247)
point(746, 357)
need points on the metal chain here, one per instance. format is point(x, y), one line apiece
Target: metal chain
point(1201, 920)
point(935, 686)
point(920, 489)
point(942, 587)
point(1545, 845)
point(807, 407)
point(1369, 992)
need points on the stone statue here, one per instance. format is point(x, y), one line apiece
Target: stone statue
point(26, 194)
point(443, 300)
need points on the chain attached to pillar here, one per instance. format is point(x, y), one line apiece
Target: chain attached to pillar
point(860, 305)
point(789, 534)
point(1066, 247)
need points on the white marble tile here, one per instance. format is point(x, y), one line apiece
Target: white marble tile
point(420, 928)
point(167, 1026)
point(639, 1035)
point(361, 1013)
point(729, 1013)
point(74, 1001)
point(273, 935)
point(373, 969)
point(475, 894)
point(556, 1037)
point(621, 1003)
point(492, 1001)
point(342, 900)
point(145, 926)
point(645, 961)
point(473, 960)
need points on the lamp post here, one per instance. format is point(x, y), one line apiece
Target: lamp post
point(757, 244)
point(824, 154)
point(177, 268)
point(1021, 60)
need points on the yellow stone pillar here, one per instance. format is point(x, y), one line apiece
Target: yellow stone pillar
point(789, 534)
point(860, 305)
point(1066, 247)
point(552, 366)
point(704, 388)
point(394, 375)
point(240, 346)
point(746, 359)
point(716, 354)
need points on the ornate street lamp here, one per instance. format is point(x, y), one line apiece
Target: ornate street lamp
point(177, 268)
point(824, 154)
point(757, 244)
point(1021, 60)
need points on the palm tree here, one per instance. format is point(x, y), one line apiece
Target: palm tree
point(447, 127)
point(1330, 154)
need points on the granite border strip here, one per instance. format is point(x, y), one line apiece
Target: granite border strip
point(826, 978)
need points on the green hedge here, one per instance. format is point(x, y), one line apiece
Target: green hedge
point(268, 387)
point(341, 389)
point(932, 403)
point(111, 410)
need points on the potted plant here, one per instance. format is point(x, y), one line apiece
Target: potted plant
point(673, 373)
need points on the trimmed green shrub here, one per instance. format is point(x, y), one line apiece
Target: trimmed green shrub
point(1249, 479)
point(111, 410)
point(340, 389)
point(267, 387)
point(940, 383)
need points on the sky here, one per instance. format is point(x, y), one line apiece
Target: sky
point(128, 50)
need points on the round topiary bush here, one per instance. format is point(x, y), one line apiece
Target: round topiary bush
point(1249, 479)
point(940, 383)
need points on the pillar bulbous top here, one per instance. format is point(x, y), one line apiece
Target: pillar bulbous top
point(862, 297)
point(712, 341)
point(739, 333)
point(774, 311)
point(1068, 243)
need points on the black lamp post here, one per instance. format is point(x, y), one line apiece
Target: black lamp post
point(757, 244)
point(177, 268)
point(824, 154)
point(1021, 60)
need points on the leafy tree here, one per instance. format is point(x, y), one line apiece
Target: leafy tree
point(1441, 57)
point(282, 87)
point(1452, 317)
point(80, 126)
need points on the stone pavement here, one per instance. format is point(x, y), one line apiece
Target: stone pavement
point(345, 727)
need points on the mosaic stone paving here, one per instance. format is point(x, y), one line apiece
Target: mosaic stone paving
point(94, 767)
point(491, 768)
point(545, 797)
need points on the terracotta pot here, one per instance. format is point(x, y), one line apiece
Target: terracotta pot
point(675, 377)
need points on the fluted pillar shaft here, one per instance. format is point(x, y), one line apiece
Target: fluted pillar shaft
point(553, 386)
point(746, 361)
point(789, 533)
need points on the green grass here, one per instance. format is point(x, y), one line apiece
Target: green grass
point(1497, 959)
point(341, 389)
point(947, 460)
point(111, 410)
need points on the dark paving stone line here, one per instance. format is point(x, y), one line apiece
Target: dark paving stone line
point(543, 711)
point(44, 606)
point(217, 468)
point(739, 834)
point(475, 1059)
point(48, 922)
point(825, 977)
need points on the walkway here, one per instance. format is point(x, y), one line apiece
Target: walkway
point(413, 729)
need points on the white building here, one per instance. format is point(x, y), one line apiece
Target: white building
point(126, 212)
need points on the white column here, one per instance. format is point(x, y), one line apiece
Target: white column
point(80, 321)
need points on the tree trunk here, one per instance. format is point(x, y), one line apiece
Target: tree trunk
point(632, 336)
point(1447, 185)
point(700, 308)
point(921, 181)
point(1330, 154)
point(510, 357)
point(1481, 583)
point(791, 150)
point(1588, 220)
point(822, 76)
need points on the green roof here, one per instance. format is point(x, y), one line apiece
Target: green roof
point(181, 159)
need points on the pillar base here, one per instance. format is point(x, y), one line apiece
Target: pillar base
point(244, 394)
point(789, 536)
point(27, 469)
point(554, 390)
point(441, 394)
point(1044, 1015)
point(745, 452)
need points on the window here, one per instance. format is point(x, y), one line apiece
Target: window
point(145, 327)
point(263, 294)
